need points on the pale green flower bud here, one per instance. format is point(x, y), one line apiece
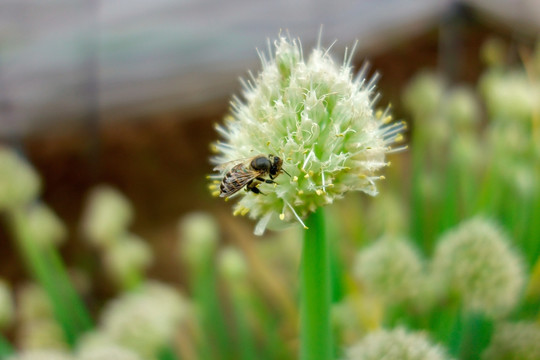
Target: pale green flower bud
point(33, 304)
point(424, 95)
point(232, 264)
point(510, 96)
point(476, 262)
point(493, 52)
point(397, 344)
point(319, 120)
point(518, 341)
point(391, 269)
point(462, 109)
point(127, 256)
point(198, 237)
point(7, 307)
point(37, 327)
point(107, 215)
point(44, 225)
point(42, 355)
point(19, 182)
point(41, 334)
point(388, 215)
point(468, 153)
point(144, 321)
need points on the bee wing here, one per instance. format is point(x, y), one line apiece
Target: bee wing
point(236, 179)
point(229, 164)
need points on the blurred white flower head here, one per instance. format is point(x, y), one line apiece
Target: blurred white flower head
point(320, 120)
point(198, 237)
point(514, 341)
point(476, 262)
point(44, 225)
point(107, 215)
point(19, 182)
point(392, 269)
point(128, 256)
point(397, 344)
point(232, 264)
point(146, 320)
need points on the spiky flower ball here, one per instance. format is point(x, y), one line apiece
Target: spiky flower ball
point(144, 321)
point(476, 263)
point(19, 182)
point(391, 269)
point(320, 120)
point(395, 344)
point(517, 341)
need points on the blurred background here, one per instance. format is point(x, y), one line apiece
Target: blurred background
point(127, 92)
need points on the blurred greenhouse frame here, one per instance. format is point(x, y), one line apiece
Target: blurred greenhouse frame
point(113, 248)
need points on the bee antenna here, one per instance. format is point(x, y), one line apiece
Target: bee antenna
point(285, 171)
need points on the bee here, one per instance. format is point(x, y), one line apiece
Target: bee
point(250, 173)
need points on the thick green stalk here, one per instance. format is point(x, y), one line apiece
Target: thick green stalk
point(41, 271)
point(78, 310)
point(168, 353)
point(215, 338)
point(5, 347)
point(47, 268)
point(245, 341)
point(315, 333)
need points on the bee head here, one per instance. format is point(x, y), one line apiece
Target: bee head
point(277, 162)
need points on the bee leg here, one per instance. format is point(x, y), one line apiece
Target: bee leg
point(252, 186)
point(265, 180)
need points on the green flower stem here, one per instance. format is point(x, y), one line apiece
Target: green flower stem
point(46, 267)
point(477, 331)
point(216, 341)
point(315, 333)
point(168, 353)
point(5, 347)
point(241, 305)
point(40, 270)
point(76, 305)
point(449, 216)
point(419, 227)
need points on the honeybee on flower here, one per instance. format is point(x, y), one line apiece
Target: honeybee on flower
point(319, 120)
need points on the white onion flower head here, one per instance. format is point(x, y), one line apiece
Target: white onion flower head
point(320, 120)
point(33, 304)
point(476, 262)
point(146, 320)
point(232, 264)
point(391, 269)
point(19, 182)
point(127, 256)
point(198, 237)
point(510, 96)
point(45, 226)
point(462, 109)
point(41, 334)
point(514, 341)
point(107, 215)
point(396, 344)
